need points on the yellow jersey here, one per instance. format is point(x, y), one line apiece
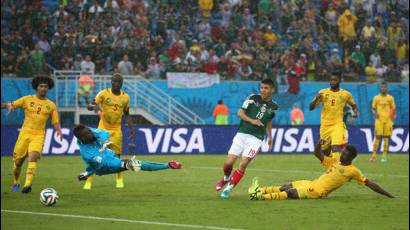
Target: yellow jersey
point(333, 105)
point(36, 113)
point(113, 107)
point(336, 176)
point(384, 105)
point(329, 162)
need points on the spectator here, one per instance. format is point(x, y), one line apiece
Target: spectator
point(77, 62)
point(211, 66)
point(296, 116)
point(37, 60)
point(375, 58)
point(270, 36)
point(87, 66)
point(293, 79)
point(370, 71)
point(244, 71)
point(368, 31)
point(154, 69)
point(206, 7)
point(346, 23)
point(43, 43)
point(358, 60)
point(86, 86)
point(125, 67)
point(402, 52)
point(23, 65)
point(221, 113)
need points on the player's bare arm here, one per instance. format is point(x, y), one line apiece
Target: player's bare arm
point(375, 187)
point(355, 110)
point(130, 124)
point(57, 127)
point(269, 132)
point(318, 150)
point(7, 105)
point(92, 106)
point(374, 111)
point(242, 115)
point(315, 102)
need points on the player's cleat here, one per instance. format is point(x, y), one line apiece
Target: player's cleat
point(220, 184)
point(372, 159)
point(174, 165)
point(87, 186)
point(254, 186)
point(225, 194)
point(15, 187)
point(120, 183)
point(26, 189)
point(384, 159)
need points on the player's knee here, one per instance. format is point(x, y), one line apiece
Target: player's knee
point(33, 157)
point(19, 162)
point(285, 187)
point(292, 193)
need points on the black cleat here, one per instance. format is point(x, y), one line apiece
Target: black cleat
point(26, 189)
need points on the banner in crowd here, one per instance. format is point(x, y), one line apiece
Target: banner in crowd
point(192, 80)
point(210, 140)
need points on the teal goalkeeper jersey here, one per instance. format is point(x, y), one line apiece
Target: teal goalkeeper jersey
point(256, 108)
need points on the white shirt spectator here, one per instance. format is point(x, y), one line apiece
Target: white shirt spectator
point(375, 58)
point(44, 46)
point(114, 4)
point(87, 66)
point(95, 9)
point(125, 67)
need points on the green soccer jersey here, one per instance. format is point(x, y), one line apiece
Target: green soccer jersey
point(256, 108)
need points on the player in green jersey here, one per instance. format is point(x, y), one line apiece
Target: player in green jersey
point(256, 116)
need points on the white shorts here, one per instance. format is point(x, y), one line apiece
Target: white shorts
point(245, 145)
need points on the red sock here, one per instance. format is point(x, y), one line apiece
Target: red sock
point(227, 170)
point(237, 176)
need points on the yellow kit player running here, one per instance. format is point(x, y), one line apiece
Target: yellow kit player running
point(37, 109)
point(335, 176)
point(114, 104)
point(332, 128)
point(384, 110)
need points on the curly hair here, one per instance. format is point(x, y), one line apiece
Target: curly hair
point(42, 80)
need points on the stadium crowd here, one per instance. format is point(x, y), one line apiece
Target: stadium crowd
point(288, 41)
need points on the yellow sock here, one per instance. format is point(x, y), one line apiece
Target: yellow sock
point(119, 176)
point(385, 146)
point(89, 180)
point(375, 146)
point(270, 189)
point(31, 170)
point(275, 196)
point(16, 174)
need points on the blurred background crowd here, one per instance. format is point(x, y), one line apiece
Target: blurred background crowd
point(288, 41)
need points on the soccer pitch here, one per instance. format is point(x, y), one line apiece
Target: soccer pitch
point(186, 199)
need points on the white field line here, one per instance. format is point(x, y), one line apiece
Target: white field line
point(299, 171)
point(117, 220)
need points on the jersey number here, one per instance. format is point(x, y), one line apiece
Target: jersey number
point(333, 102)
point(39, 109)
point(116, 107)
point(259, 115)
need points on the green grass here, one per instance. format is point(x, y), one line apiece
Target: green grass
point(187, 196)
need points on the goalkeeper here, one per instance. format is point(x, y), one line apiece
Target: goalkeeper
point(101, 160)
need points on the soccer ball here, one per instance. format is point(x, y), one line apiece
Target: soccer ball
point(48, 197)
